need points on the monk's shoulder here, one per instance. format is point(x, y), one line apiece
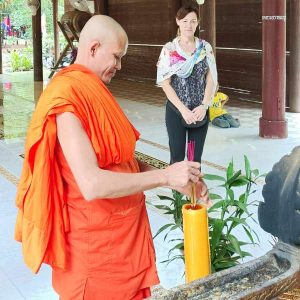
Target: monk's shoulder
point(60, 87)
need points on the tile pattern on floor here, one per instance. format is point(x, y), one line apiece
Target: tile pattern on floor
point(9, 176)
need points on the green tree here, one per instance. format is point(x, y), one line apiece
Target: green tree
point(20, 14)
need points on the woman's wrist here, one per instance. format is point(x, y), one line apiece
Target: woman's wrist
point(183, 109)
point(205, 105)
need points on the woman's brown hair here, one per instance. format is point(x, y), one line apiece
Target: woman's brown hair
point(185, 10)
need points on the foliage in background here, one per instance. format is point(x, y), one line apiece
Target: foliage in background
point(10, 40)
point(230, 211)
point(173, 207)
point(20, 14)
point(21, 60)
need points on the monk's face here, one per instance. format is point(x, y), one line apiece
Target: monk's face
point(108, 58)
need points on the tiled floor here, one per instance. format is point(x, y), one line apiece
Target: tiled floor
point(144, 105)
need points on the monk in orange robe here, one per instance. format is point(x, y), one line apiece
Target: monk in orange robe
point(80, 196)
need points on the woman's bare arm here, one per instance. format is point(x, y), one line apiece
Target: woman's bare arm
point(209, 89)
point(200, 111)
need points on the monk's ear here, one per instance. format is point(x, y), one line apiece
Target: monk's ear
point(93, 47)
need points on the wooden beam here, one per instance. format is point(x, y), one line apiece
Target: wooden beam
point(37, 46)
point(101, 7)
point(294, 79)
point(55, 30)
point(208, 22)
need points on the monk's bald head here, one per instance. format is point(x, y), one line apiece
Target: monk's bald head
point(102, 44)
point(102, 28)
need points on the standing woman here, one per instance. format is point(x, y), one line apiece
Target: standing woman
point(186, 70)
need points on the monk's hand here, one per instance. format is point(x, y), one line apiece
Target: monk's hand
point(202, 193)
point(180, 176)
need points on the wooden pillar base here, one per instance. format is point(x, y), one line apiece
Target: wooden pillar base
point(273, 129)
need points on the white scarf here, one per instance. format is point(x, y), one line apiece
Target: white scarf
point(173, 60)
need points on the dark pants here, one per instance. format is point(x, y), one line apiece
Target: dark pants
point(177, 137)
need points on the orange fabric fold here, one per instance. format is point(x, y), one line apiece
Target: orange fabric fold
point(42, 219)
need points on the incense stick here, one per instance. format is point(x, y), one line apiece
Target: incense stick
point(190, 157)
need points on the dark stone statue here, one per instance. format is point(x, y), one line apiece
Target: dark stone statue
point(280, 212)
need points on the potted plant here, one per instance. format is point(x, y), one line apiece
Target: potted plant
point(229, 211)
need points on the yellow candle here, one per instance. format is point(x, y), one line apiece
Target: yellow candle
point(196, 242)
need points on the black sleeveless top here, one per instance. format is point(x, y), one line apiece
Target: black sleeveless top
point(191, 90)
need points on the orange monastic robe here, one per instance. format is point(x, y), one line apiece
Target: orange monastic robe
point(100, 249)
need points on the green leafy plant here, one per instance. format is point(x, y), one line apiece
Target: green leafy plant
point(21, 61)
point(174, 208)
point(229, 212)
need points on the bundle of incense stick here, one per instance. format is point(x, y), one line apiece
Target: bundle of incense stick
point(190, 157)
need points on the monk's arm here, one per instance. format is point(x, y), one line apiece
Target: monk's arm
point(95, 182)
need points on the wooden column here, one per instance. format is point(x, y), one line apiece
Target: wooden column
point(37, 46)
point(55, 30)
point(272, 124)
point(208, 22)
point(294, 80)
point(101, 7)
